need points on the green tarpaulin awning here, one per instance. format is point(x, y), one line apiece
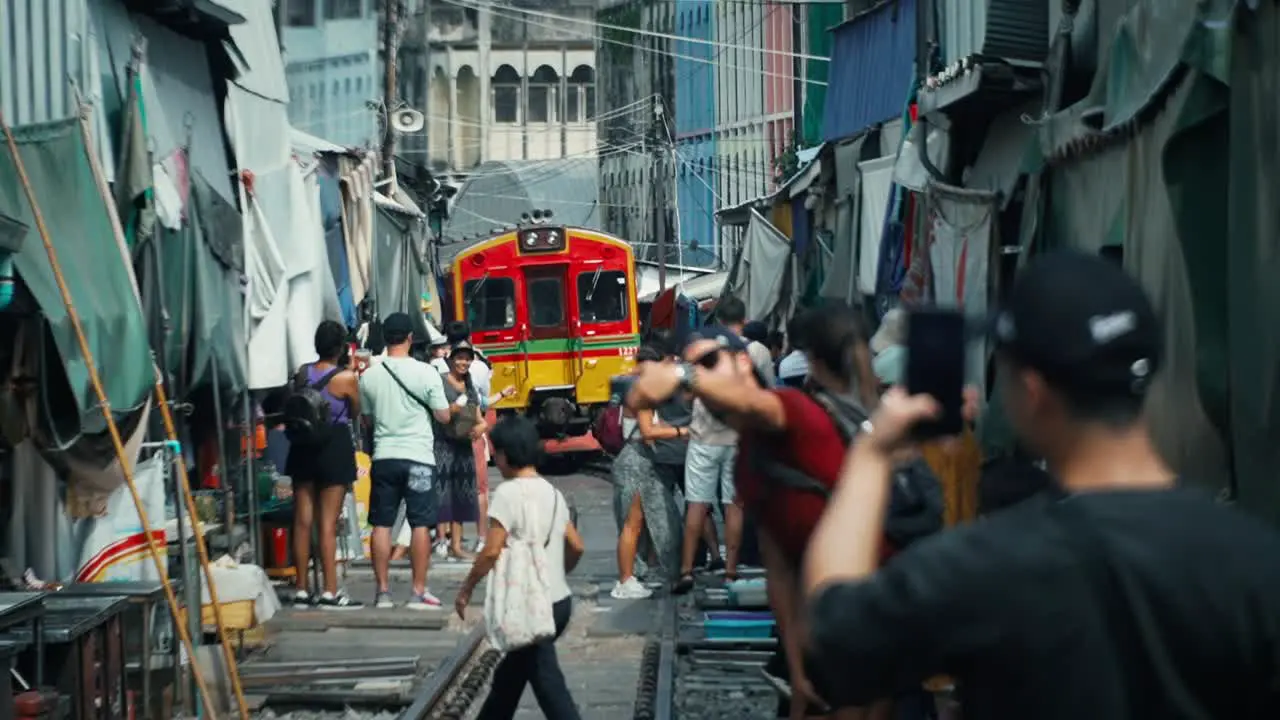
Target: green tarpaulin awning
point(56, 159)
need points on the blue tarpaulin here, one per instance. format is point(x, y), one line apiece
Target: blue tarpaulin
point(872, 61)
point(335, 244)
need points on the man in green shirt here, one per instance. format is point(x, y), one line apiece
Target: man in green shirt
point(401, 395)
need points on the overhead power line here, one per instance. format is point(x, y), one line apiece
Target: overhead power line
point(477, 4)
point(498, 11)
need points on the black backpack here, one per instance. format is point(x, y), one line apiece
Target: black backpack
point(306, 411)
point(916, 504)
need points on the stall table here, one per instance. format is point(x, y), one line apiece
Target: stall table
point(143, 598)
point(25, 611)
point(8, 658)
point(87, 631)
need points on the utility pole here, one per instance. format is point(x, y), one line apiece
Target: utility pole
point(390, 53)
point(660, 202)
point(282, 19)
point(428, 72)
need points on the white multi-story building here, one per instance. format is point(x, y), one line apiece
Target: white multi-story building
point(504, 85)
point(332, 67)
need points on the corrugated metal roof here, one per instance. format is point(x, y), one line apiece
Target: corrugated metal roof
point(1010, 29)
point(43, 45)
point(499, 192)
point(872, 61)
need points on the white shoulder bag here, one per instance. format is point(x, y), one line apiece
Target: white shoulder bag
point(517, 603)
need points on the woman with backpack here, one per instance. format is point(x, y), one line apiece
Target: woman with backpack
point(645, 477)
point(321, 461)
point(455, 454)
point(531, 547)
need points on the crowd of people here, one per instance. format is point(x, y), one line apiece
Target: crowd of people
point(1094, 584)
point(426, 425)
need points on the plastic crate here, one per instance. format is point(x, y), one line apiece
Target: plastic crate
point(752, 593)
point(738, 625)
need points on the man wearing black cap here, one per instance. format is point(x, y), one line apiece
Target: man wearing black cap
point(401, 395)
point(1120, 595)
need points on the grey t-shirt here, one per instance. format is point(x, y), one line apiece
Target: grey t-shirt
point(707, 429)
point(762, 360)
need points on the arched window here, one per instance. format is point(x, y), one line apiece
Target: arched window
point(544, 96)
point(581, 104)
point(506, 95)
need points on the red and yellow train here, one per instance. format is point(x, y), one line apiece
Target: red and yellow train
point(554, 310)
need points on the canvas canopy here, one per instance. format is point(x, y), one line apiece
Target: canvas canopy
point(56, 158)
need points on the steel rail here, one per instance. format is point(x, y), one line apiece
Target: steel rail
point(656, 686)
point(437, 685)
point(664, 704)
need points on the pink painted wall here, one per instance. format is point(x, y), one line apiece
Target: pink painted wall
point(778, 89)
point(779, 85)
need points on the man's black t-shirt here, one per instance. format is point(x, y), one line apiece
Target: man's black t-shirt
point(1013, 608)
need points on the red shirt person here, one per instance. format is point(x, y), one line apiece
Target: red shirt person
point(788, 424)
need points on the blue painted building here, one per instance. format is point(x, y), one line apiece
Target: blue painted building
point(695, 123)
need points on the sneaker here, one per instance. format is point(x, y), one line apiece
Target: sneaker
point(383, 601)
point(338, 601)
point(302, 598)
point(442, 548)
point(715, 566)
point(425, 601)
point(630, 589)
point(479, 547)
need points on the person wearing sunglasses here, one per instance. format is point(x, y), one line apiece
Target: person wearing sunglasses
point(710, 459)
point(791, 426)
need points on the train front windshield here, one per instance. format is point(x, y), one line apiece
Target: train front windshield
point(490, 303)
point(602, 296)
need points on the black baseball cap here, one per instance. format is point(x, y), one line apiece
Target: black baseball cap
point(396, 327)
point(1083, 322)
point(756, 331)
point(723, 336)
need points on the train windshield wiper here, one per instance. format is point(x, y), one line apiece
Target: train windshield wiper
point(475, 289)
point(595, 280)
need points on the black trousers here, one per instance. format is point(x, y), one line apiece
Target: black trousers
point(536, 665)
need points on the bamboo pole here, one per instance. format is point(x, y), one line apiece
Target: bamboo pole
point(229, 656)
point(233, 671)
point(117, 443)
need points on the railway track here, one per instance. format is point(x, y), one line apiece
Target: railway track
point(443, 687)
point(656, 691)
point(684, 675)
point(458, 683)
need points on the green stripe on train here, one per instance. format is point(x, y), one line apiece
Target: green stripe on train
point(559, 345)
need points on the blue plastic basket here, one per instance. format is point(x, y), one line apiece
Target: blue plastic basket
point(738, 625)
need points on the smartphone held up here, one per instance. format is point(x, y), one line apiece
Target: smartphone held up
point(936, 347)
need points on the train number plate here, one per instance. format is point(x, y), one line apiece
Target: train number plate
point(629, 351)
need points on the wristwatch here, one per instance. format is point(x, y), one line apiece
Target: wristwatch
point(686, 375)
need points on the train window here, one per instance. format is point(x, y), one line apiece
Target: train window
point(491, 303)
point(546, 302)
point(602, 296)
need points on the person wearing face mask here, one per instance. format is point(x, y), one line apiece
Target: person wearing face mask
point(890, 349)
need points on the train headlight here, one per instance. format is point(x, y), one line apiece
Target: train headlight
point(531, 239)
